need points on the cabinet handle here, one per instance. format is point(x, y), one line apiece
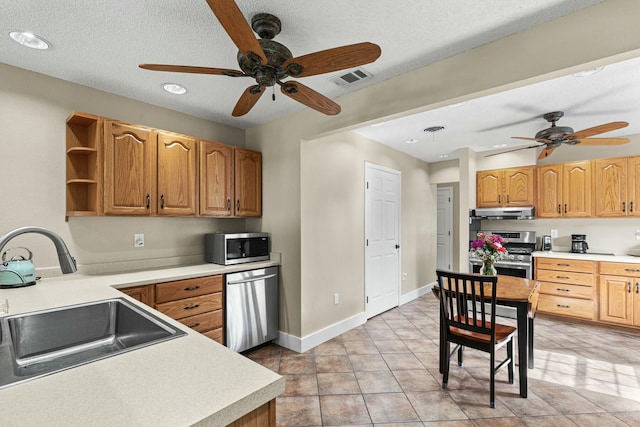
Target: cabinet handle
point(565, 208)
point(632, 270)
point(148, 201)
point(624, 206)
point(563, 277)
point(192, 288)
point(162, 201)
point(563, 265)
point(563, 306)
point(563, 290)
point(499, 198)
point(559, 210)
point(195, 325)
point(238, 205)
point(191, 307)
point(507, 198)
point(637, 288)
point(228, 203)
point(630, 206)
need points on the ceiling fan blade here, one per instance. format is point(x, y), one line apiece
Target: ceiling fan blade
point(515, 149)
point(543, 140)
point(608, 127)
point(247, 100)
point(338, 58)
point(194, 70)
point(546, 152)
point(603, 141)
point(234, 23)
point(310, 98)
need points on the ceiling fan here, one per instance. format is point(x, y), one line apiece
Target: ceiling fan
point(270, 62)
point(554, 136)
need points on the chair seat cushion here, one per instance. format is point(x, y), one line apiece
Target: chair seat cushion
point(503, 332)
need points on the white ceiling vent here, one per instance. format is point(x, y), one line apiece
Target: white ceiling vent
point(352, 77)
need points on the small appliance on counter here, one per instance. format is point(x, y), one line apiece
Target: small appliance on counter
point(236, 248)
point(545, 243)
point(579, 244)
point(18, 270)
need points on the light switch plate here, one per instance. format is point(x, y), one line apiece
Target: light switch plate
point(138, 240)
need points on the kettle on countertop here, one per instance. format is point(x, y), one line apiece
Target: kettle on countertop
point(18, 270)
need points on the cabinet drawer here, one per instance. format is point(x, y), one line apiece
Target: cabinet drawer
point(191, 306)
point(565, 290)
point(215, 335)
point(620, 269)
point(570, 277)
point(204, 322)
point(180, 289)
point(566, 306)
point(565, 265)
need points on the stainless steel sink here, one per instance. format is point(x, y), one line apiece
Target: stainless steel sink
point(43, 342)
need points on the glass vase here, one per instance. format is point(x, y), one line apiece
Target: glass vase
point(488, 269)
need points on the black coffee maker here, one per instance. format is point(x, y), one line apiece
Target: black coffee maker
point(579, 243)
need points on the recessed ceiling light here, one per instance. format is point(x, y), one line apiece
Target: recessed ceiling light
point(443, 156)
point(499, 145)
point(29, 40)
point(434, 129)
point(410, 141)
point(174, 88)
point(587, 73)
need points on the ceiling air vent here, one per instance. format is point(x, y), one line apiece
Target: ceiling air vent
point(352, 77)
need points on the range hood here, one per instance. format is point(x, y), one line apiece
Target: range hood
point(528, 212)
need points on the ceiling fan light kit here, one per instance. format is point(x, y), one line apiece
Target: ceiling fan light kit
point(270, 62)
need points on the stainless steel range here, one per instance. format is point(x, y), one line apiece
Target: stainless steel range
point(520, 245)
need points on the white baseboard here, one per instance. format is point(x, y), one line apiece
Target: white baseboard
point(300, 345)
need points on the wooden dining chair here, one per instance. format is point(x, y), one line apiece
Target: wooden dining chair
point(468, 319)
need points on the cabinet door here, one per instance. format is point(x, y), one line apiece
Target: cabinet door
point(177, 183)
point(248, 183)
point(489, 189)
point(216, 179)
point(610, 187)
point(633, 186)
point(549, 191)
point(576, 189)
point(144, 294)
point(616, 299)
point(130, 169)
point(519, 186)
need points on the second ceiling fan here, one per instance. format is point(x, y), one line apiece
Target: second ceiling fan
point(269, 62)
point(554, 136)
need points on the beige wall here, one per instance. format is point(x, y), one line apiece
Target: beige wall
point(33, 110)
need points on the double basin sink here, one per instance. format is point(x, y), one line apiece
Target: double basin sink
point(43, 342)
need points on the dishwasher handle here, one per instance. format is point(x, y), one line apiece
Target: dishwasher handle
point(251, 279)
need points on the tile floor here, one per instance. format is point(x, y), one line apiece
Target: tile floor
point(385, 372)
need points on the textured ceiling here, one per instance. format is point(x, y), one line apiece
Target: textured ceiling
point(99, 43)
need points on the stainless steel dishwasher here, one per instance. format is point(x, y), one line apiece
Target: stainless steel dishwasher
point(252, 308)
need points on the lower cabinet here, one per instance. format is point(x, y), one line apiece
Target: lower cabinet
point(620, 293)
point(567, 287)
point(197, 303)
point(265, 416)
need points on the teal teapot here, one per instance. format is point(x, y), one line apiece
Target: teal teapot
point(17, 269)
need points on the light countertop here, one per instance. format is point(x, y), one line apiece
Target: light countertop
point(184, 381)
point(587, 256)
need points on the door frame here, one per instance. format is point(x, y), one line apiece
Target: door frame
point(449, 189)
point(367, 167)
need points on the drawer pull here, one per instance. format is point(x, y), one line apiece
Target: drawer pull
point(191, 307)
point(563, 277)
point(629, 287)
point(637, 288)
point(632, 270)
point(563, 306)
point(563, 290)
point(563, 265)
point(192, 288)
point(195, 325)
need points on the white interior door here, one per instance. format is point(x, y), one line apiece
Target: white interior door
point(382, 239)
point(445, 229)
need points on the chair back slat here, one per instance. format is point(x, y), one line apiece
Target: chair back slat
point(468, 301)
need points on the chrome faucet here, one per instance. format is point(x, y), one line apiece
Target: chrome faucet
point(67, 262)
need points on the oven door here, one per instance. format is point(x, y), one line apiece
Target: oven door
point(506, 268)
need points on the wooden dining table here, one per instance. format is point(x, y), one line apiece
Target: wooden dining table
point(514, 292)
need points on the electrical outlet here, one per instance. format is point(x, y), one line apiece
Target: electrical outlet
point(554, 233)
point(336, 299)
point(404, 276)
point(637, 234)
point(138, 240)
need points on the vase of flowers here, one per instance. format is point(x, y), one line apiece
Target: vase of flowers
point(488, 248)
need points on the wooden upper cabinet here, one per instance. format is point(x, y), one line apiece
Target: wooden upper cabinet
point(248, 183)
point(633, 186)
point(130, 169)
point(564, 190)
point(216, 179)
point(505, 187)
point(177, 182)
point(615, 186)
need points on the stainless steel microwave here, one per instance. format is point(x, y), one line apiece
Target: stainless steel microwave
point(236, 248)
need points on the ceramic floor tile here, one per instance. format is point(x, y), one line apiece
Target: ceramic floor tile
point(368, 362)
point(298, 411)
point(344, 410)
point(402, 361)
point(360, 347)
point(333, 364)
point(392, 346)
point(338, 383)
point(297, 365)
point(424, 345)
point(499, 422)
point(390, 407)
point(356, 334)
point(597, 420)
point(382, 334)
point(377, 382)
point(435, 406)
point(330, 349)
point(417, 380)
point(567, 400)
point(410, 333)
point(300, 385)
point(548, 421)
